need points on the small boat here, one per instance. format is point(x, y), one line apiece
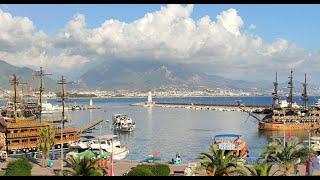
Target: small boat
point(155, 156)
point(122, 122)
point(107, 143)
point(75, 108)
point(232, 142)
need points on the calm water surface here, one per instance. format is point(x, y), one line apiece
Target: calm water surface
point(172, 130)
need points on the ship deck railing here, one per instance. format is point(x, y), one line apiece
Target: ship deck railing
point(28, 145)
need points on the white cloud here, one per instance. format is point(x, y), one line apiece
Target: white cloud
point(169, 34)
point(252, 27)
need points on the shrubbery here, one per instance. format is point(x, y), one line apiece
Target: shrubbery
point(19, 167)
point(161, 170)
point(155, 170)
point(140, 171)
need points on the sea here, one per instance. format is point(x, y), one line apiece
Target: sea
point(168, 131)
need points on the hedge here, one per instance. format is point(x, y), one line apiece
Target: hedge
point(140, 171)
point(19, 167)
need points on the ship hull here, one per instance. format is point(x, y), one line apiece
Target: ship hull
point(291, 126)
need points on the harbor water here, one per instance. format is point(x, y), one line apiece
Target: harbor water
point(174, 130)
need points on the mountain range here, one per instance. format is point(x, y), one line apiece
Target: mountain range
point(142, 75)
point(24, 75)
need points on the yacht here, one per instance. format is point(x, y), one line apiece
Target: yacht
point(108, 143)
point(122, 122)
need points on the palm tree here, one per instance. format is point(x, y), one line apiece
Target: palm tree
point(220, 163)
point(286, 155)
point(260, 169)
point(84, 167)
point(46, 141)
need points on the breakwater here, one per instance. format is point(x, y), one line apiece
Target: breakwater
point(215, 107)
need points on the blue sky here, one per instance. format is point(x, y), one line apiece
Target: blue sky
point(296, 23)
point(281, 37)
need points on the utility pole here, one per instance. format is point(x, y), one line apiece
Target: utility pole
point(62, 96)
point(41, 74)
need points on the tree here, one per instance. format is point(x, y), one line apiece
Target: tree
point(140, 171)
point(220, 163)
point(285, 155)
point(19, 167)
point(84, 167)
point(156, 169)
point(46, 141)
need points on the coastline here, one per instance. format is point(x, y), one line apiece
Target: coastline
point(144, 97)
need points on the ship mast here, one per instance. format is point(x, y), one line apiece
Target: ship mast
point(290, 86)
point(62, 96)
point(276, 97)
point(304, 94)
point(15, 83)
point(41, 74)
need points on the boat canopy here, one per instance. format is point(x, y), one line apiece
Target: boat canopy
point(94, 154)
point(227, 136)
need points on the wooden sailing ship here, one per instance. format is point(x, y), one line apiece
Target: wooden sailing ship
point(23, 123)
point(290, 116)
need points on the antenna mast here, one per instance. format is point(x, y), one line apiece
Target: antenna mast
point(304, 94)
point(41, 74)
point(290, 86)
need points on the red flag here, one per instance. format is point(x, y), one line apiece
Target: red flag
point(289, 135)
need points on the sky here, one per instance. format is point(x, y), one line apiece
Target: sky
point(237, 41)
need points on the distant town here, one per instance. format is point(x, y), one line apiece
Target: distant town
point(160, 92)
point(172, 92)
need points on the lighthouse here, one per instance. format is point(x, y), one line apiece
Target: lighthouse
point(149, 98)
point(149, 102)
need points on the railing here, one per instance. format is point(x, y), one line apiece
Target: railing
point(20, 135)
point(26, 145)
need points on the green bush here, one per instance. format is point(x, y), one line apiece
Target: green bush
point(19, 167)
point(140, 171)
point(161, 170)
point(157, 169)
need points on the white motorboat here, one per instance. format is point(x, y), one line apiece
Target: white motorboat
point(108, 143)
point(122, 122)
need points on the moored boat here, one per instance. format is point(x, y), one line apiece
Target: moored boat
point(122, 122)
point(232, 142)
